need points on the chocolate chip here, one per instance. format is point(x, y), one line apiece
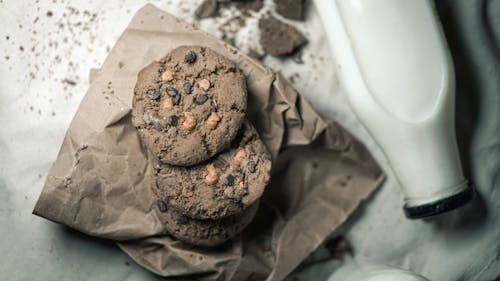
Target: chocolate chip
point(190, 57)
point(176, 99)
point(172, 120)
point(182, 219)
point(188, 88)
point(162, 206)
point(229, 180)
point(171, 91)
point(154, 94)
point(251, 167)
point(220, 163)
point(201, 99)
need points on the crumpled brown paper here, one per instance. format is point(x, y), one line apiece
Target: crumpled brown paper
point(99, 183)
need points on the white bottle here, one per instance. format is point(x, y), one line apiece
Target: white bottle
point(397, 70)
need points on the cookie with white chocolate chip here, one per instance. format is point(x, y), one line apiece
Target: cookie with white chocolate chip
point(222, 186)
point(189, 105)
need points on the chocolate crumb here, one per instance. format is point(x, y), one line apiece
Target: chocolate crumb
point(291, 9)
point(21, 48)
point(249, 5)
point(278, 38)
point(69, 81)
point(49, 14)
point(207, 9)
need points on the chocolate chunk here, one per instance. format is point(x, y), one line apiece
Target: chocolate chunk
point(201, 99)
point(190, 57)
point(176, 99)
point(251, 167)
point(207, 9)
point(292, 9)
point(154, 94)
point(162, 206)
point(249, 5)
point(278, 38)
point(229, 180)
point(172, 92)
point(172, 120)
point(220, 163)
point(182, 219)
point(188, 88)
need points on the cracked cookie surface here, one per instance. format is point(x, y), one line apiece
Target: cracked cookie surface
point(189, 105)
point(222, 186)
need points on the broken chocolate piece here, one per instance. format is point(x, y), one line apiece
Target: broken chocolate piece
point(291, 9)
point(278, 38)
point(207, 9)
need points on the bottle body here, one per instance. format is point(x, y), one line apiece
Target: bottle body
point(398, 73)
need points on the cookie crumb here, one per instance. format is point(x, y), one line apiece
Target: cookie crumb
point(69, 81)
point(278, 38)
point(207, 9)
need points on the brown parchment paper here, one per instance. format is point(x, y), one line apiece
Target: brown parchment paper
point(100, 182)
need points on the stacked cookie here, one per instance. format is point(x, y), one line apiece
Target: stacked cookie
point(211, 167)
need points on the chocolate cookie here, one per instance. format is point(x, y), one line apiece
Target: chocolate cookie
point(189, 105)
point(206, 233)
point(225, 185)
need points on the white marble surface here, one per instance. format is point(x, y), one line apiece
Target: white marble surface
point(37, 104)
